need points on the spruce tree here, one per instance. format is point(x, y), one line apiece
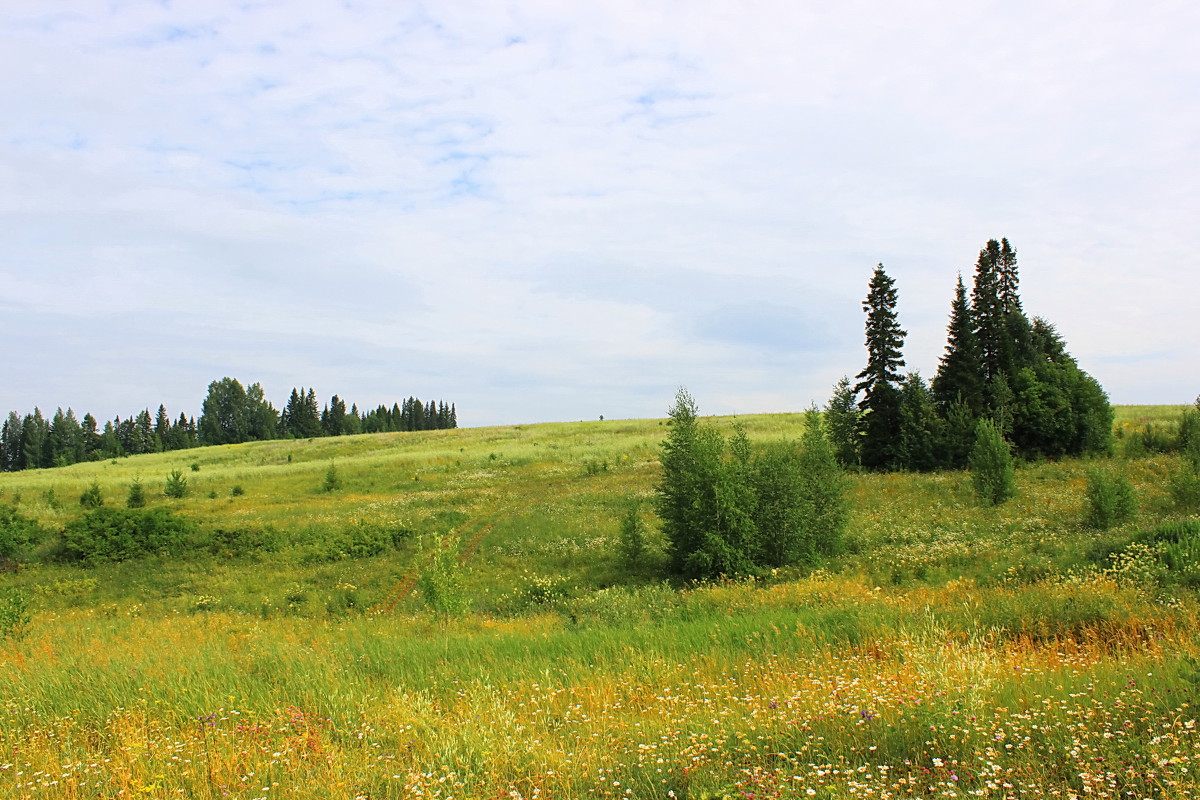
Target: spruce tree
point(841, 422)
point(1007, 280)
point(959, 377)
point(11, 445)
point(992, 472)
point(987, 312)
point(878, 382)
point(919, 449)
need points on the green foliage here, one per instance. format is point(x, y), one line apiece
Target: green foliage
point(959, 378)
point(920, 428)
point(596, 466)
point(14, 613)
point(243, 541)
point(112, 534)
point(441, 583)
point(17, 534)
point(1110, 499)
point(1147, 439)
point(841, 423)
point(137, 495)
point(176, 486)
point(237, 490)
point(92, 497)
point(992, 472)
point(686, 496)
point(879, 381)
point(729, 510)
point(631, 539)
point(1189, 437)
point(778, 480)
point(332, 481)
point(232, 414)
point(824, 508)
point(1184, 486)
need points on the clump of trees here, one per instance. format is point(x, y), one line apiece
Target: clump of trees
point(998, 365)
point(730, 509)
point(230, 414)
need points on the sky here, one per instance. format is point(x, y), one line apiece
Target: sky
point(546, 211)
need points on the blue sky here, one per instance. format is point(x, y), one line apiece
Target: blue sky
point(553, 211)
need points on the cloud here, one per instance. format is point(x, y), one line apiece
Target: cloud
point(535, 209)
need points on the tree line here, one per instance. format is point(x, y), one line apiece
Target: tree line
point(998, 366)
point(230, 414)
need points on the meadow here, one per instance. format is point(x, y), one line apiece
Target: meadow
point(952, 651)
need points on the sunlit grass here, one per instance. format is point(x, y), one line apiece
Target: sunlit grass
point(955, 651)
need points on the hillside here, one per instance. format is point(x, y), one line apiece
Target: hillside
point(954, 650)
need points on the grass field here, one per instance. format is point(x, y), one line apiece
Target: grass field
point(954, 651)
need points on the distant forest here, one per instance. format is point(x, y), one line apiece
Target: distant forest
point(230, 414)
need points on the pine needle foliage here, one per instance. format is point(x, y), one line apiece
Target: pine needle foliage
point(992, 472)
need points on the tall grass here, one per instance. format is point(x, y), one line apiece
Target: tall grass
point(953, 651)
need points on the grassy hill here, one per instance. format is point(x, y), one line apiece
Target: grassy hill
point(953, 651)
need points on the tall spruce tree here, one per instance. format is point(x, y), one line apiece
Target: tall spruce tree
point(959, 378)
point(879, 381)
point(987, 312)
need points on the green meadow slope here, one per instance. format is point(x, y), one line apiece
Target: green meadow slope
point(291, 651)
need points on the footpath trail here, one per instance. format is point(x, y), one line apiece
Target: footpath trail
point(469, 537)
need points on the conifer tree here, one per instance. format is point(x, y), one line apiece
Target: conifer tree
point(987, 312)
point(878, 382)
point(841, 423)
point(920, 427)
point(959, 376)
point(11, 446)
point(162, 429)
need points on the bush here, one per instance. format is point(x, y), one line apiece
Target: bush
point(1185, 490)
point(1110, 499)
point(359, 540)
point(631, 540)
point(91, 497)
point(17, 533)
point(14, 614)
point(243, 541)
point(992, 472)
point(441, 584)
point(111, 534)
point(137, 495)
point(332, 481)
point(176, 486)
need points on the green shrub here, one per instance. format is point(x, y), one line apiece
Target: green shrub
point(243, 541)
point(17, 534)
point(112, 534)
point(992, 472)
point(176, 486)
point(237, 490)
point(441, 584)
point(1110, 499)
point(332, 481)
point(14, 613)
point(91, 497)
point(631, 540)
point(359, 540)
point(1184, 486)
point(137, 495)
point(1150, 438)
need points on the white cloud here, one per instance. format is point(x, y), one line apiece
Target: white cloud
point(535, 208)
